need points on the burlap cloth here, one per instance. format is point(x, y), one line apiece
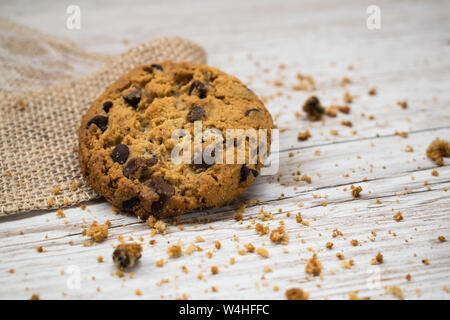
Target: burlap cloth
point(42, 98)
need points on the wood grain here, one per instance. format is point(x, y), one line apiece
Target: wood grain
point(408, 59)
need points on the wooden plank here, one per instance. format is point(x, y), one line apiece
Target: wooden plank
point(406, 59)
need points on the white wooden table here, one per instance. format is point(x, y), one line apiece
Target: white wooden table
point(407, 59)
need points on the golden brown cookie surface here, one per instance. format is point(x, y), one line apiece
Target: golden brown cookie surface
point(126, 139)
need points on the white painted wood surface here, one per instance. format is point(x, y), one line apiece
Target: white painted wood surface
point(407, 59)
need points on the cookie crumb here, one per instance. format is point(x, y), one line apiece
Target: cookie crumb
point(35, 296)
point(279, 235)
point(296, 294)
point(126, 255)
point(262, 252)
point(97, 232)
point(313, 108)
point(174, 251)
point(356, 191)
point(402, 104)
point(214, 270)
point(261, 229)
point(395, 291)
point(302, 136)
point(437, 150)
point(398, 216)
point(313, 266)
point(441, 238)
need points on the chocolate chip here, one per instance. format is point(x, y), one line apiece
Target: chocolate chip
point(100, 121)
point(107, 105)
point(120, 256)
point(120, 153)
point(200, 165)
point(247, 113)
point(157, 66)
point(196, 113)
point(162, 187)
point(165, 191)
point(134, 164)
point(199, 88)
point(133, 97)
point(147, 69)
point(245, 173)
point(128, 204)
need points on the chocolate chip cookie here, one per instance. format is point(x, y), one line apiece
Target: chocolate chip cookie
point(127, 141)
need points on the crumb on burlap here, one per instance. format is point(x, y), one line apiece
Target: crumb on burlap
point(438, 149)
point(174, 251)
point(355, 191)
point(302, 136)
point(39, 249)
point(329, 245)
point(138, 292)
point(97, 232)
point(126, 255)
point(56, 190)
point(425, 262)
point(398, 216)
point(51, 201)
point(296, 294)
point(313, 266)
point(279, 236)
point(441, 238)
point(313, 108)
point(60, 214)
point(354, 242)
point(21, 105)
point(35, 296)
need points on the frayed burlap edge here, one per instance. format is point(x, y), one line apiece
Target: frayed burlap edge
point(39, 166)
